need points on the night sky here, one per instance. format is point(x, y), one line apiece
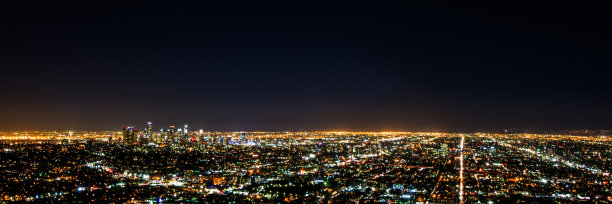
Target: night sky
point(291, 66)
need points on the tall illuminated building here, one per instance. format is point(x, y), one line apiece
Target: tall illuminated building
point(242, 137)
point(185, 131)
point(179, 134)
point(163, 135)
point(129, 135)
point(444, 149)
point(149, 128)
point(171, 133)
point(228, 140)
point(149, 132)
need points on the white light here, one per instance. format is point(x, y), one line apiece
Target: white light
point(461, 171)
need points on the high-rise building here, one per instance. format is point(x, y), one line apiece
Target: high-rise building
point(148, 134)
point(149, 128)
point(228, 140)
point(444, 149)
point(179, 134)
point(171, 133)
point(129, 135)
point(185, 132)
point(163, 135)
point(242, 137)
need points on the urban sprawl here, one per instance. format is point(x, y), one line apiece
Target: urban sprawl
point(182, 165)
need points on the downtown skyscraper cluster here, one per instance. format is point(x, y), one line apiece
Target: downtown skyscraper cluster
point(172, 134)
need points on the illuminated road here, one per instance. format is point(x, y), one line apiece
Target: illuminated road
point(433, 192)
point(461, 171)
point(553, 158)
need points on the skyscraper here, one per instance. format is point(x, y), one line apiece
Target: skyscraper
point(163, 135)
point(444, 149)
point(149, 132)
point(179, 134)
point(129, 135)
point(171, 134)
point(185, 132)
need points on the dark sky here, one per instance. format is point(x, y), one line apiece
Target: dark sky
point(290, 66)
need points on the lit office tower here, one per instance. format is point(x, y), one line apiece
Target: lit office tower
point(179, 134)
point(242, 137)
point(171, 132)
point(444, 149)
point(129, 135)
point(149, 131)
point(185, 131)
point(163, 135)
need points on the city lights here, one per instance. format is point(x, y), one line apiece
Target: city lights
point(406, 167)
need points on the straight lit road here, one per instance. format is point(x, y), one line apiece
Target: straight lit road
point(461, 171)
point(431, 195)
